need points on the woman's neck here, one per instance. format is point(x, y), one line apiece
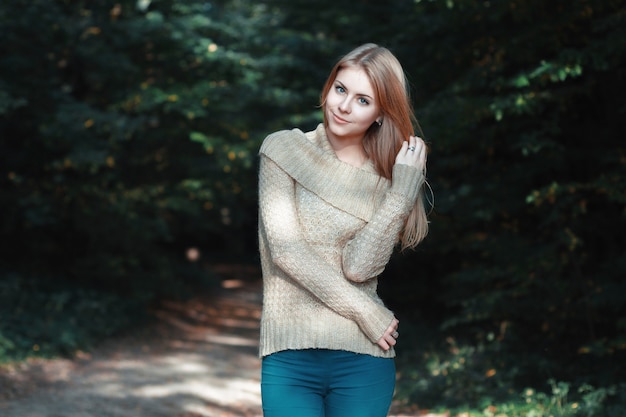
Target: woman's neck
point(348, 150)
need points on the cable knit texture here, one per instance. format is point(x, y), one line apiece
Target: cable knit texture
point(326, 231)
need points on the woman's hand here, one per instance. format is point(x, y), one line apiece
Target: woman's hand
point(389, 338)
point(413, 153)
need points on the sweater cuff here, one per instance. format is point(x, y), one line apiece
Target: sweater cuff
point(407, 181)
point(375, 322)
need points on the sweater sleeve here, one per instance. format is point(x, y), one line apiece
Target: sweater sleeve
point(367, 254)
point(290, 252)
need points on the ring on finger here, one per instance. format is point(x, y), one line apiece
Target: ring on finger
point(412, 148)
point(395, 335)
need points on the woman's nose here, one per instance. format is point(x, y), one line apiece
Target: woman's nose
point(344, 106)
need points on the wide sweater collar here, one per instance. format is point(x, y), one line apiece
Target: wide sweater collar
point(310, 160)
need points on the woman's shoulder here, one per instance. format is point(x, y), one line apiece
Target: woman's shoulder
point(287, 139)
point(280, 136)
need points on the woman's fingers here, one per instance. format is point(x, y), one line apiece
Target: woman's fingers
point(389, 338)
point(412, 152)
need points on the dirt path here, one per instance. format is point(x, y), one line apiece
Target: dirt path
point(200, 360)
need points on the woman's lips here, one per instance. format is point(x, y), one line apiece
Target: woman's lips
point(339, 119)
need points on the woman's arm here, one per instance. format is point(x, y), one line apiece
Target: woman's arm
point(289, 251)
point(367, 254)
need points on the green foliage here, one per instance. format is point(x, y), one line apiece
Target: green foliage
point(100, 177)
point(43, 319)
point(562, 402)
point(469, 379)
point(527, 167)
point(103, 184)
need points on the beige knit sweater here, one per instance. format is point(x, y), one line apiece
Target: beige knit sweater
point(326, 231)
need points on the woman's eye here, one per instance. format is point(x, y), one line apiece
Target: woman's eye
point(340, 89)
point(363, 101)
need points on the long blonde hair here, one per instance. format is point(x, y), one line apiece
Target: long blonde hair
point(382, 142)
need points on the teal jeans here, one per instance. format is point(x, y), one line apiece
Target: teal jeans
point(326, 383)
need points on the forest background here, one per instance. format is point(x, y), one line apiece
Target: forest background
point(129, 133)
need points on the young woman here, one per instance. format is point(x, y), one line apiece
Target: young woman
point(333, 204)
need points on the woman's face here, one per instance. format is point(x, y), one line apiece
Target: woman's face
point(350, 105)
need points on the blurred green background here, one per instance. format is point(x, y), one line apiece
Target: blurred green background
point(129, 133)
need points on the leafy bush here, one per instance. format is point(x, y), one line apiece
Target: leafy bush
point(43, 320)
point(464, 379)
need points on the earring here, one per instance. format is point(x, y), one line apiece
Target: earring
point(380, 122)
